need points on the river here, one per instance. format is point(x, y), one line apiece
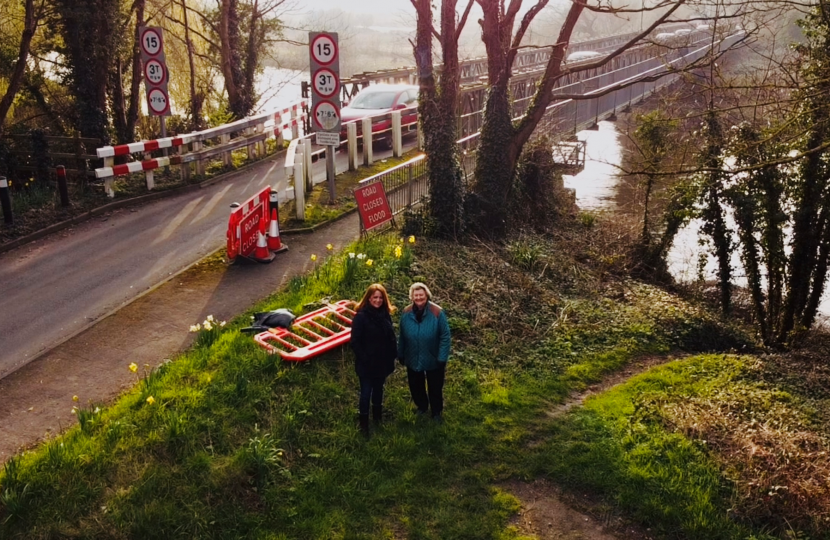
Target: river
point(598, 189)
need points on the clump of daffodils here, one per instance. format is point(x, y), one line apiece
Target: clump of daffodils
point(208, 330)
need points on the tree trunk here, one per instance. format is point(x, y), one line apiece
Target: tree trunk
point(137, 74)
point(229, 36)
point(29, 28)
point(195, 101)
point(438, 112)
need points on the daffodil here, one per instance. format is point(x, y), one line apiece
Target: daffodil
point(313, 257)
point(351, 254)
point(74, 410)
point(398, 252)
point(412, 239)
point(208, 326)
point(133, 367)
point(151, 400)
point(369, 262)
point(210, 318)
point(223, 323)
point(195, 327)
point(361, 256)
point(329, 247)
point(75, 398)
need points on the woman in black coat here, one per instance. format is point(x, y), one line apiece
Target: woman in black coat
point(375, 348)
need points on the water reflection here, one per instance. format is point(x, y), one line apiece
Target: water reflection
point(596, 185)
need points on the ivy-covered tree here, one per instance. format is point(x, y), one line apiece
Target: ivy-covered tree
point(91, 31)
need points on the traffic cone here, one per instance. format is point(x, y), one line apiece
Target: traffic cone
point(274, 242)
point(261, 253)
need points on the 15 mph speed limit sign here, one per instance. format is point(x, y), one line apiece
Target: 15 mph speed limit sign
point(324, 56)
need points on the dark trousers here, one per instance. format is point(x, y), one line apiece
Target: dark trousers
point(431, 396)
point(370, 388)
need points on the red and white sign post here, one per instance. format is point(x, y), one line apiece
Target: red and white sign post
point(373, 206)
point(156, 75)
point(324, 56)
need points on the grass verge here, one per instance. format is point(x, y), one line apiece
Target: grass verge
point(236, 444)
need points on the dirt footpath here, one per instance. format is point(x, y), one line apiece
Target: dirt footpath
point(37, 399)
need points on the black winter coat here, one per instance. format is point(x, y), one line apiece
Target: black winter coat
point(373, 341)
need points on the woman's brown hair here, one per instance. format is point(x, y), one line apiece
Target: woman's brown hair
point(368, 294)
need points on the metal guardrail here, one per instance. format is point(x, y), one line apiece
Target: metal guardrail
point(405, 185)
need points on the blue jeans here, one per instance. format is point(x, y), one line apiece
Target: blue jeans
point(370, 388)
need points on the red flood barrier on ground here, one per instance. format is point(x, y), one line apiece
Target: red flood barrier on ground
point(311, 334)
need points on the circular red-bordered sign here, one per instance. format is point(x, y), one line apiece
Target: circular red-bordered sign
point(326, 83)
point(155, 72)
point(151, 41)
point(326, 115)
point(323, 49)
point(158, 101)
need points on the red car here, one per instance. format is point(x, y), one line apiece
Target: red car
point(378, 99)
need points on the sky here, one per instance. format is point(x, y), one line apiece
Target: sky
point(369, 6)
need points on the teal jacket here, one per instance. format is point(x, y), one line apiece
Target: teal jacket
point(422, 346)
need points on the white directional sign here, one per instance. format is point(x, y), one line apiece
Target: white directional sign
point(155, 72)
point(325, 83)
point(324, 48)
point(158, 101)
point(151, 43)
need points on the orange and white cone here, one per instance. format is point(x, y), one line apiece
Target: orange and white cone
point(261, 253)
point(274, 242)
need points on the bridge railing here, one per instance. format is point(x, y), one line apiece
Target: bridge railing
point(201, 147)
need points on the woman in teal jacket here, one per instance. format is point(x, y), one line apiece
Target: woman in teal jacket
point(424, 348)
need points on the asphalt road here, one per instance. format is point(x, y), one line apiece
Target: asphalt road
point(54, 288)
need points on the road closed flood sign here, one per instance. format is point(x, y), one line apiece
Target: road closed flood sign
point(372, 205)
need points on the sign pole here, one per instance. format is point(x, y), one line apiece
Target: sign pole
point(325, 98)
point(331, 173)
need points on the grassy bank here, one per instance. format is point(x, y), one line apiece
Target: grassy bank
point(228, 442)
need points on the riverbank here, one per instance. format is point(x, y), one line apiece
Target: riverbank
point(240, 445)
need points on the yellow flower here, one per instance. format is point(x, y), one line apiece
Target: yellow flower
point(151, 400)
point(75, 398)
point(313, 257)
point(369, 262)
point(411, 239)
point(133, 367)
point(398, 252)
point(329, 247)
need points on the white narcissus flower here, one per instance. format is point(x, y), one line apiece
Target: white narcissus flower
point(351, 255)
point(223, 323)
point(208, 326)
point(210, 318)
point(195, 327)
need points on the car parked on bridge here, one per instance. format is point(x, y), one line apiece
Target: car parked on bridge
point(579, 56)
point(379, 100)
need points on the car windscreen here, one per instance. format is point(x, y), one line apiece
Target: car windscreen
point(373, 100)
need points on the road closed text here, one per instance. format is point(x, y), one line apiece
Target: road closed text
point(373, 205)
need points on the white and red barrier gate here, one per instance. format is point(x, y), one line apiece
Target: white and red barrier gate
point(311, 334)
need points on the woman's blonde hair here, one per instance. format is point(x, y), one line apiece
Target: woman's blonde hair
point(419, 285)
point(368, 294)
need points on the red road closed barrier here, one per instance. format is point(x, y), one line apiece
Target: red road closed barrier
point(311, 334)
point(244, 224)
point(373, 205)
